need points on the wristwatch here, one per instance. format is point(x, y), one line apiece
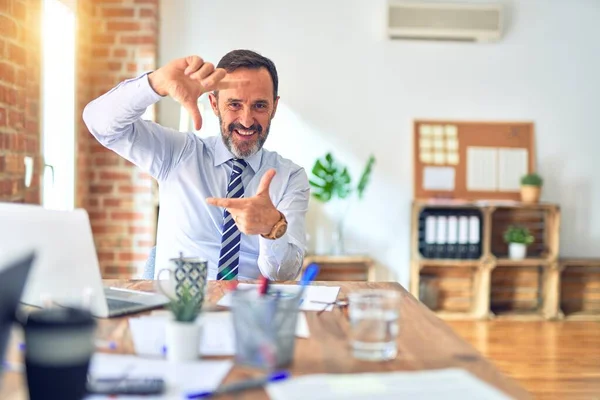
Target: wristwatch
point(278, 229)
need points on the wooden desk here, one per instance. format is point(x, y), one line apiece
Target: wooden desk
point(425, 342)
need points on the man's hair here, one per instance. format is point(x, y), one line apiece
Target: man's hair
point(249, 59)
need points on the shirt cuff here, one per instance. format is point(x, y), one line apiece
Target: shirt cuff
point(275, 248)
point(139, 92)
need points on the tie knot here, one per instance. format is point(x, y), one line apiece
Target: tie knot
point(239, 164)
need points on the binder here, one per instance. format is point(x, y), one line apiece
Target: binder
point(441, 237)
point(463, 234)
point(452, 247)
point(430, 236)
point(474, 251)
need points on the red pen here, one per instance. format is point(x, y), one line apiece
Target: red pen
point(263, 287)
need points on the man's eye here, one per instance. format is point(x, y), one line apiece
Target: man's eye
point(234, 105)
point(261, 106)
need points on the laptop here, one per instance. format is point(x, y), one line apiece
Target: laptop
point(13, 274)
point(66, 270)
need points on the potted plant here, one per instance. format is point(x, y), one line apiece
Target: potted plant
point(518, 238)
point(183, 331)
point(330, 180)
point(531, 188)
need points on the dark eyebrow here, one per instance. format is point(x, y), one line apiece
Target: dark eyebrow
point(262, 101)
point(234, 100)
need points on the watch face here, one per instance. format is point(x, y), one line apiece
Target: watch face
point(281, 231)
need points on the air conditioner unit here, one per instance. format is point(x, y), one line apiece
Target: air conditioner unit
point(445, 21)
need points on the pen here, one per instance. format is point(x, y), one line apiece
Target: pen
point(242, 385)
point(263, 287)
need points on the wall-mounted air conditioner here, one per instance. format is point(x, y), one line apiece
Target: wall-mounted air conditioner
point(423, 20)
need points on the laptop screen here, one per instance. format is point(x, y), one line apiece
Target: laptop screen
point(13, 274)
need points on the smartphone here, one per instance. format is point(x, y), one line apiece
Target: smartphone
point(127, 386)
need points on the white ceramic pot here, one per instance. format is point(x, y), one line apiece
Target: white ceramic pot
point(183, 340)
point(517, 251)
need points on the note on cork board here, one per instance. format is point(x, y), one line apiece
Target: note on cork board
point(471, 160)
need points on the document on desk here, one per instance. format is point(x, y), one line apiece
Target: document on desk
point(447, 384)
point(180, 378)
point(217, 337)
point(313, 299)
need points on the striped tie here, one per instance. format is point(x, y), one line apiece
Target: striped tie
point(229, 257)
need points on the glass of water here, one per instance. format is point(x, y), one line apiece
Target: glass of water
point(373, 317)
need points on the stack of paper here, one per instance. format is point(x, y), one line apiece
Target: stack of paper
point(447, 384)
point(180, 378)
point(312, 300)
point(218, 337)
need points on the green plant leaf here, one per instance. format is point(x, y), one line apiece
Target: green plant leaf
point(365, 177)
point(329, 179)
point(532, 180)
point(518, 234)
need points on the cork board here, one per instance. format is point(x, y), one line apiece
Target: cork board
point(471, 160)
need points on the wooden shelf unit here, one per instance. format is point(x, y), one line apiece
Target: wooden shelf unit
point(580, 289)
point(497, 286)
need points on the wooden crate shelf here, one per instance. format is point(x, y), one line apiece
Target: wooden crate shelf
point(580, 289)
point(342, 267)
point(494, 286)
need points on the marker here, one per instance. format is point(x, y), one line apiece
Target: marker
point(242, 385)
point(263, 287)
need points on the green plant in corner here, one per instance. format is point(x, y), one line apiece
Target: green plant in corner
point(330, 180)
point(186, 307)
point(532, 180)
point(518, 234)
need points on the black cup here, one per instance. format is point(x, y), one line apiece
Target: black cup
point(59, 344)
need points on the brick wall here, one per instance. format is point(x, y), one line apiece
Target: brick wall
point(19, 99)
point(118, 40)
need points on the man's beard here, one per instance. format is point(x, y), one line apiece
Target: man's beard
point(243, 149)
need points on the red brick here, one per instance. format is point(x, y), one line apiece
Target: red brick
point(106, 158)
point(155, 2)
point(2, 163)
point(147, 12)
point(132, 67)
point(19, 11)
point(145, 243)
point(140, 229)
point(135, 39)
point(132, 257)
point(120, 52)
point(115, 175)
point(106, 256)
point(127, 216)
point(111, 202)
point(15, 120)
point(114, 66)
point(113, 243)
point(122, 26)
point(12, 96)
point(7, 73)
point(106, 229)
point(101, 189)
point(8, 27)
point(128, 189)
point(2, 46)
point(100, 52)
point(3, 118)
point(118, 12)
point(93, 202)
point(16, 54)
point(100, 38)
point(97, 215)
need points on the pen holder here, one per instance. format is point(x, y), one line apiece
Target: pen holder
point(265, 327)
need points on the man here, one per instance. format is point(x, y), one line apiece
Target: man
point(225, 199)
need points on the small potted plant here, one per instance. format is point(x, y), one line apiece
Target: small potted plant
point(183, 330)
point(518, 238)
point(531, 188)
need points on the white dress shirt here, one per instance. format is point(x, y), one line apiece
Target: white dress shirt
point(190, 169)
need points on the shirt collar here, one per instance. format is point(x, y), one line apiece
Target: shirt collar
point(222, 155)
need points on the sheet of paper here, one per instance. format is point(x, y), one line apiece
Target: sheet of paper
point(180, 378)
point(447, 384)
point(482, 168)
point(312, 300)
point(218, 337)
point(512, 165)
point(438, 178)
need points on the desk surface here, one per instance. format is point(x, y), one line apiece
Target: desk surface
point(424, 342)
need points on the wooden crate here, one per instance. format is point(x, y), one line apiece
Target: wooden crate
point(516, 289)
point(580, 289)
point(541, 223)
point(454, 288)
point(342, 268)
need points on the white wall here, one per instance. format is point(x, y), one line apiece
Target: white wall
point(344, 87)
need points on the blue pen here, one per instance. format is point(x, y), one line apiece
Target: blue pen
point(242, 385)
point(310, 273)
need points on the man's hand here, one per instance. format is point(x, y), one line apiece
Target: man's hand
point(186, 79)
point(253, 215)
